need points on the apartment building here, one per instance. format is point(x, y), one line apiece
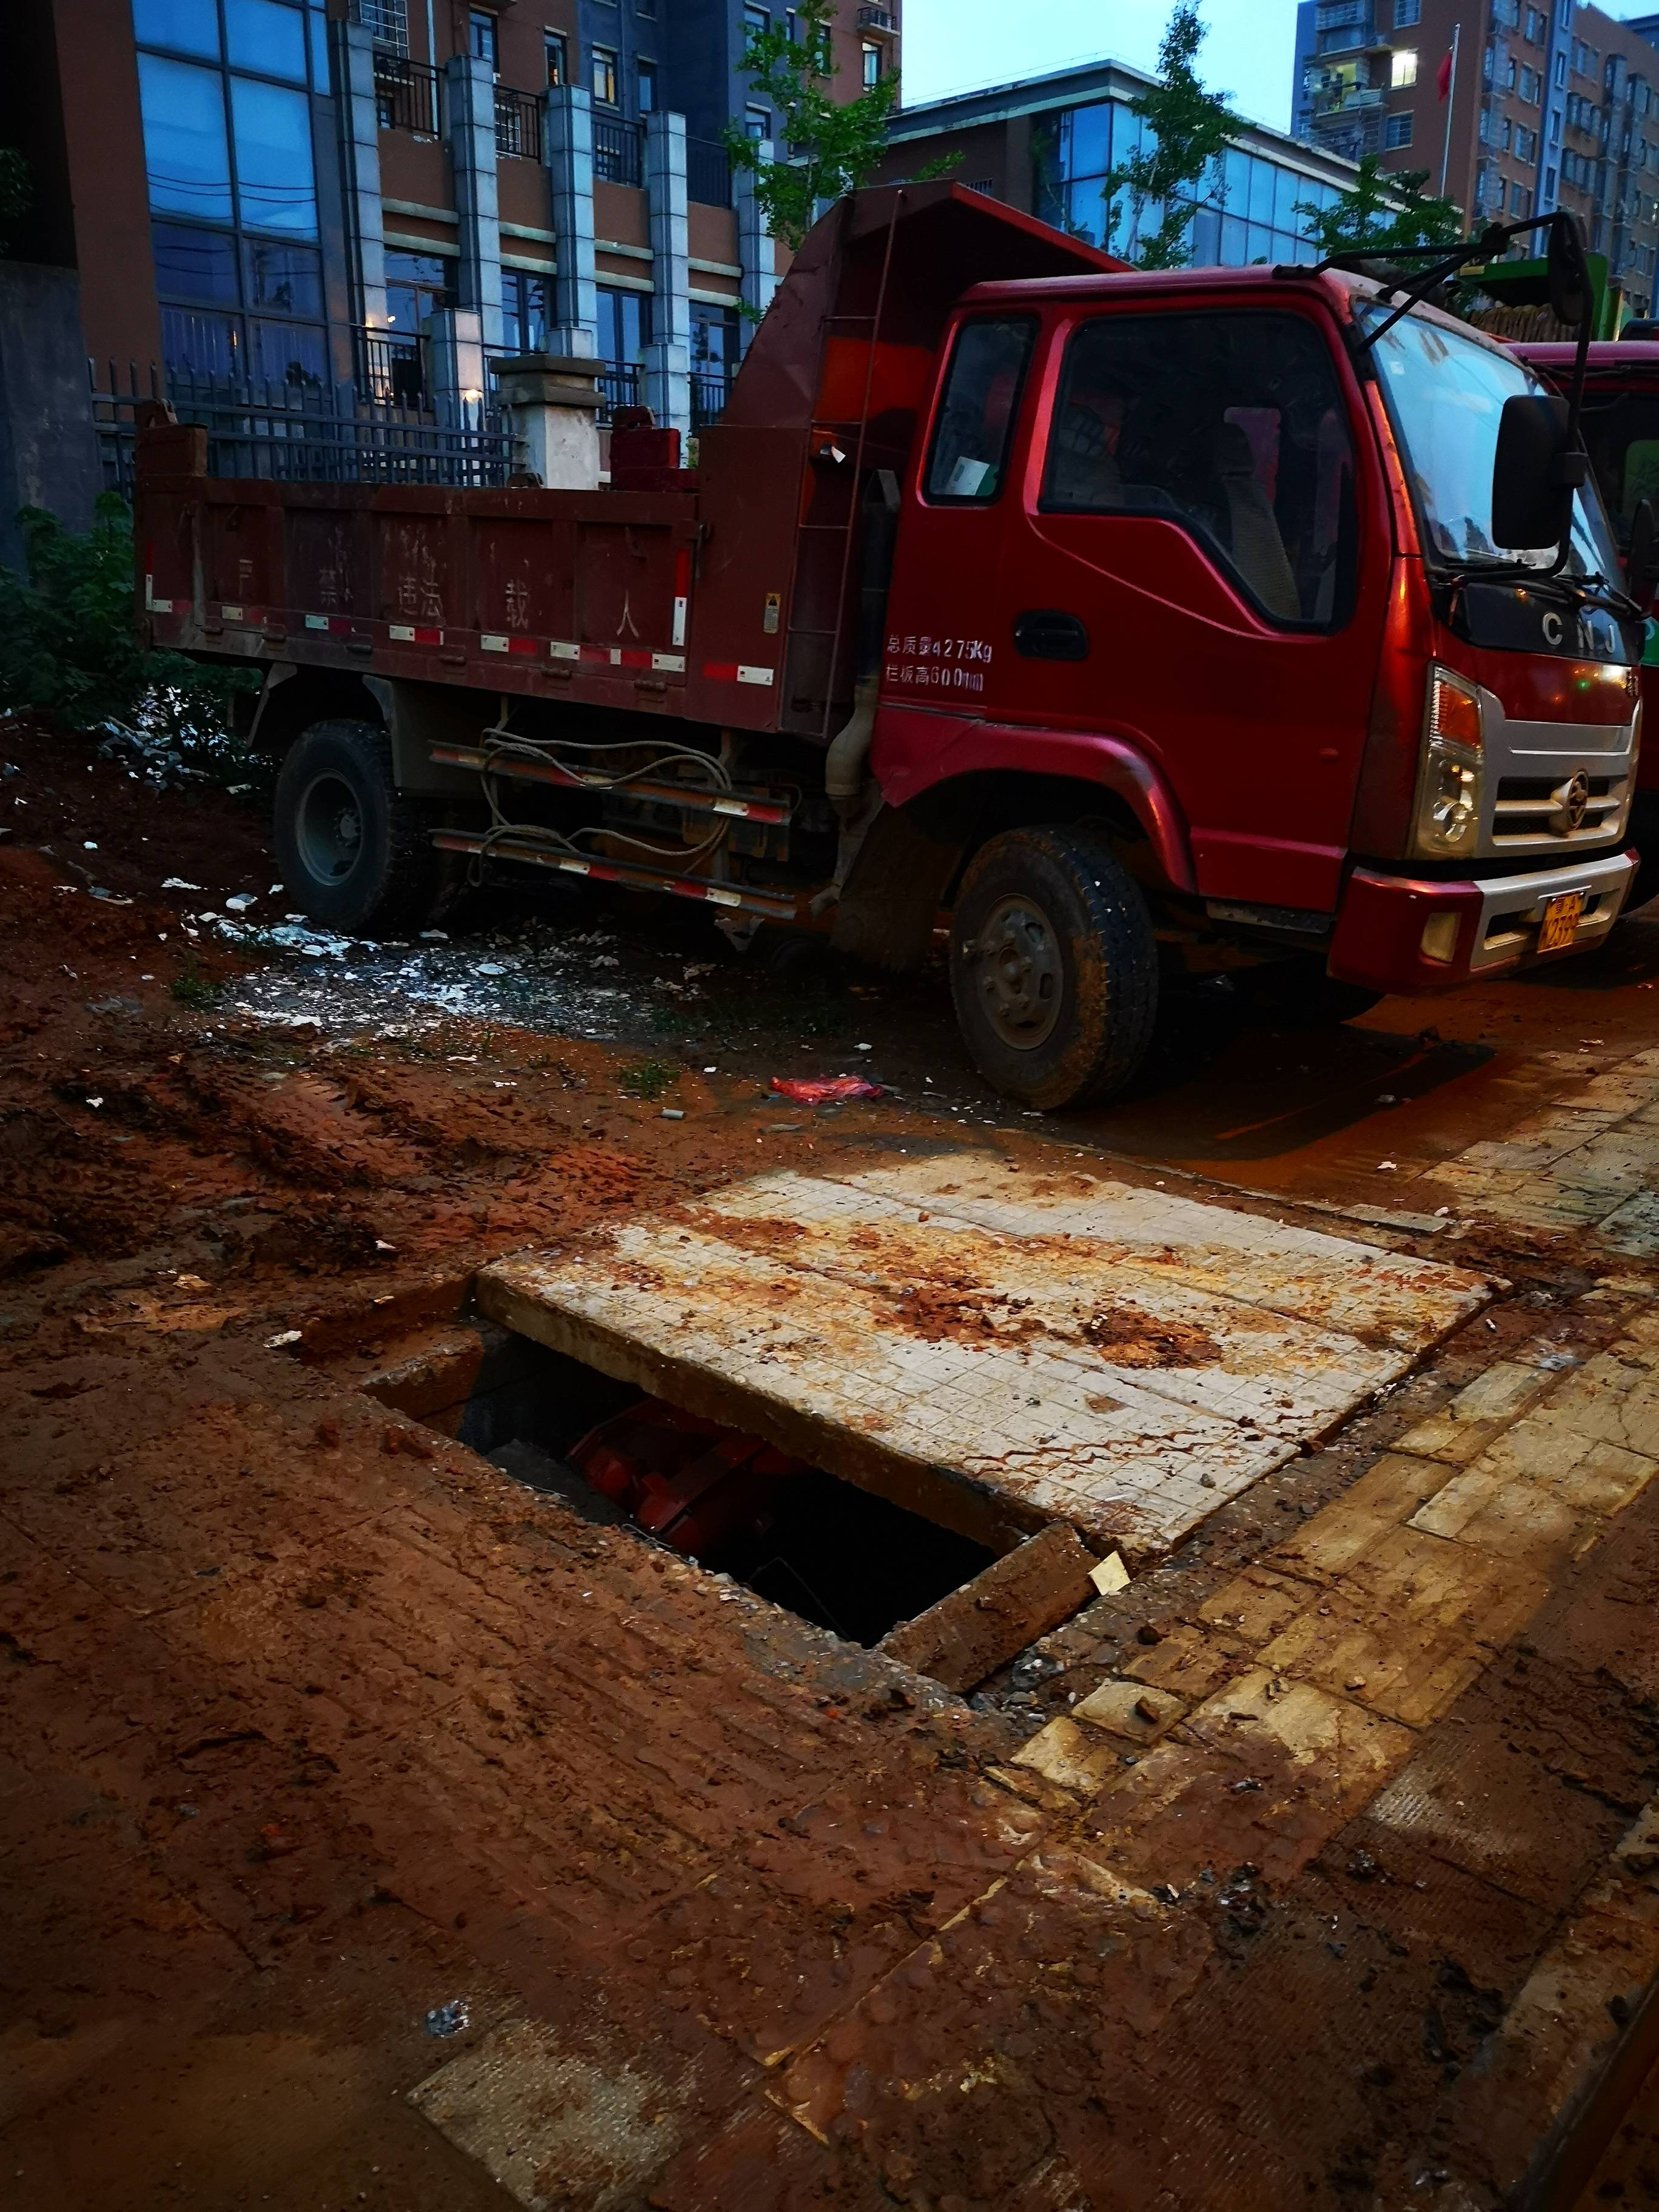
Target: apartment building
point(368, 199)
point(1514, 110)
point(1046, 145)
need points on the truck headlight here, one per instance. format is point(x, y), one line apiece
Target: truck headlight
point(1451, 781)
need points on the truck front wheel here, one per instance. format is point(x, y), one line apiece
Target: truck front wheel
point(356, 852)
point(1053, 968)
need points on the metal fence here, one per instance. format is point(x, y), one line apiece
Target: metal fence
point(518, 123)
point(618, 149)
point(405, 94)
point(300, 433)
point(391, 371)
point(708, 173)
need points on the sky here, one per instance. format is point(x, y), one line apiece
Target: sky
point(1249, 52)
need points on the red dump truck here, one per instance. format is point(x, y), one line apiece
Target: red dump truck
point(1621, 430)
point(1133, 625)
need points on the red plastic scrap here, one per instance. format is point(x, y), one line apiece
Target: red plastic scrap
point(831, 1089)
point(692, 1482)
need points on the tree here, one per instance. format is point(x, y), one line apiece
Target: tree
point(1191, 129)
point(1383, 211)
point(832, 146)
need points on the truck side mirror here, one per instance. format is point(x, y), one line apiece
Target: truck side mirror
point(1642, 561)
point(1568, 274)
point(1531, 505)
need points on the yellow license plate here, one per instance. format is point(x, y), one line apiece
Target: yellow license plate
point(1560, 924)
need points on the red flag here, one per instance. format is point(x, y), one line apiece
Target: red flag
point(1443, 80)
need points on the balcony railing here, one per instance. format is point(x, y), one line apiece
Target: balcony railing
point(708, 173)
point(619, 386)
point(391, 371)
point(518, 124)
point(618, 149)
point(710, 390)
point(405, 94)
point(877, 19)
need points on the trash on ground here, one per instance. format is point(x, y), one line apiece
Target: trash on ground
point(1109, 1574)
point(822, 1092)
point(447, 2019)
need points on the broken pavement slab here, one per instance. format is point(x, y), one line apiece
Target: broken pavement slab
point(995, 1348)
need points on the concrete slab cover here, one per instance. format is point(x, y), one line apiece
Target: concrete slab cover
point(1000, 1347)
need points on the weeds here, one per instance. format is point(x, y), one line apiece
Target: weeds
point(193, 988)
point(647, 1079)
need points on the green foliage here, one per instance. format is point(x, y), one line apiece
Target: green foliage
point(832, 146)
point(1191, 130)
point(17, 192)
point(70, 649)
point(193, 988)
point(647, 1078)
point(1383, 210)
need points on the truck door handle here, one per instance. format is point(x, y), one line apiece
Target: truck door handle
point(1050, 634)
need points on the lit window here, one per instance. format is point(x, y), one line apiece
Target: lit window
point(605, 77)
point(1402, 72)
point(558, 60)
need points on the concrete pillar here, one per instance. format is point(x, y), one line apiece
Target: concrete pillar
point(469, 113)
point(455, 366)
point(667, 378)
point(757, 254)
point(569, 140)
point(360, 136)
point(551, 403)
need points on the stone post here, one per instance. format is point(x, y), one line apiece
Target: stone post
point(570, 140)
point(551, 403)
point(667, 378)
point(455, 366)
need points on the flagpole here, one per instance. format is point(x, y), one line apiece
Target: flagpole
point(1451, 103)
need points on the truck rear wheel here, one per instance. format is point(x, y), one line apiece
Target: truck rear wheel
point(1053, 968)
point(356, 852)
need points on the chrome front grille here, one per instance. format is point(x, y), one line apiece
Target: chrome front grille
point(1574, 810)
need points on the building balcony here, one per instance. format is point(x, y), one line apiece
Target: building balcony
point(880, 21)
point(406, 94)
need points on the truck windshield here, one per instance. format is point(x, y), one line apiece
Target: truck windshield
point(1445, 394)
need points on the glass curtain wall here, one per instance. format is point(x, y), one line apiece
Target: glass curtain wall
point(225, 90)
point(1245, 211)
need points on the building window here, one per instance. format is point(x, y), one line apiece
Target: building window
point(1402, 69)
point(271, 130)
point(1397, 130)
point(624, 326)
point(1526, 146)
point(646, 76)
point(558, 59)
point(1549, 184)
point(183, 26)
point(416, 285)
point(978, 410)
point(1520, 200)
point(605, 77)
point(715, 348)
point(1535, 26)
point(524, 310)
point(756, 22)
point(1406, 13)
point(757, 122)
point(387, 23)
point(267, 36)
point(480, 40)
point(186, 143)
point(869, 56)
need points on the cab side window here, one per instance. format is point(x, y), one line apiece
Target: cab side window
point(978, 411)
point(1232, 426)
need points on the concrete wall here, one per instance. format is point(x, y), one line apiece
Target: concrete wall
point(48, 450)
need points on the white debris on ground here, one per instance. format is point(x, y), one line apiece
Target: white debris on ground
point(348, 984)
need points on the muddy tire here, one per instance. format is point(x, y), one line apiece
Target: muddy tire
point(1297, 994)
point(356, 854)
point(1053, 968)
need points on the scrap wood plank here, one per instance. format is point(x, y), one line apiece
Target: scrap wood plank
point(998, 1349)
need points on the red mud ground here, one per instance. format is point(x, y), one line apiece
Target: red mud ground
point(309, 1721)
